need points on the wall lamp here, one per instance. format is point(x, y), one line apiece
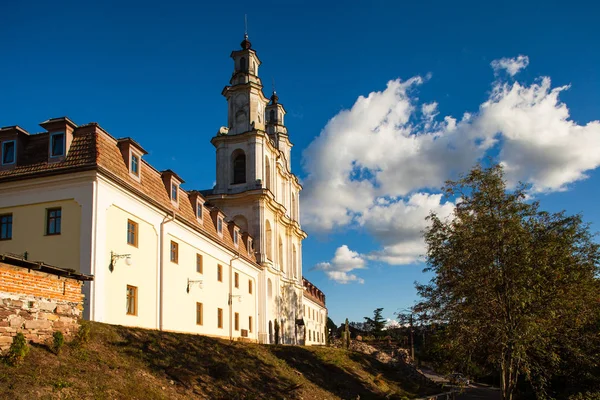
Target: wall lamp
point(190, 283)
point(114, 257)
point(231, 296)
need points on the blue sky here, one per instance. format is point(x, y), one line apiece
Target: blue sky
point(155, 71)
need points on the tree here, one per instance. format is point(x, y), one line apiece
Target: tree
point(510, 281)
point(376, 324)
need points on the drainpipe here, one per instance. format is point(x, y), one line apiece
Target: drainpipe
point(231, 295)
point(161, 273)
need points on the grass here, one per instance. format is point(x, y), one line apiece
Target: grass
point(131, 363)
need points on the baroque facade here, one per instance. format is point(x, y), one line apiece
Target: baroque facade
point(224, 262)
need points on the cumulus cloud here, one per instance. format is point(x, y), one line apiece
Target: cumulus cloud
point(379, 165)
point(339, 268)
point(512, 66)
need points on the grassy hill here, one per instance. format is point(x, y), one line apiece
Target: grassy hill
point(130, 363)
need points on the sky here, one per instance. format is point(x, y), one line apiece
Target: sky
point(385, 101)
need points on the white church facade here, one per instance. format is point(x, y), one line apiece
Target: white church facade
point(223, 262)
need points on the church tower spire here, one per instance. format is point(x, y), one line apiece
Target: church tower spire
point(244, 95)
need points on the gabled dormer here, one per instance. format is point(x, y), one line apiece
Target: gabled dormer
point(218, 218)
point(132, 154)
point(12, 143)
point(249, 243)
point(60, 136)
point(197, 201)
point(172, 183)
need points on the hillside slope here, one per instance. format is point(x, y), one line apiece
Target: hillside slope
point(130, 363)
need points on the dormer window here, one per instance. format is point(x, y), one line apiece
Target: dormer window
point(220, 226)
point(235, 237)
point(174, 191)
point(249, 245)
point(135, 165)
point(9, 152)
point(57, 144)
point(199, 211)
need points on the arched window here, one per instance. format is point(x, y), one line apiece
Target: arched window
point(268, 241)
point(295, 261)
point(243, 65)
point(239, 167)
point(272, 116)
point(281, 254)
point(267, 173)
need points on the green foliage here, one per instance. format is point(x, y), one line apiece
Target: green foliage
point(18, 349)
point(586, 396)
point(346, 335)
point(83, 333)
point(514, 284)
point(376, 324)
point(276, 329)
point(58, 341)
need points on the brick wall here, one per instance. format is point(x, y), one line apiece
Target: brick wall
point(37, 304)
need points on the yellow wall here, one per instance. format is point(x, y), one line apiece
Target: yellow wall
point(141, 274)
point(29, 234)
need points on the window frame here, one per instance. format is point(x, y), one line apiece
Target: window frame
point(64, 144)
point(136, 171)
point(134, 233)
point(250, 323)
point(220, 226)
point(219, 273)
point(236, 321)
point(174, 252)
point(55, 218)
point(132, 294)
point(199, 263)
point(174, 194)
point(199, 211)
point(14, 152)
point(249, 286)
point(199, 314)
point(236, 280)
point(236, 239)
point(219, 318)
point(8, 223)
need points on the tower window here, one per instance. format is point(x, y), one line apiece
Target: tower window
point(272, 116)
point(239, 168)
point(243, 64)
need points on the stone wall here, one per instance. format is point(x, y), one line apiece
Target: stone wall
point(37, 304)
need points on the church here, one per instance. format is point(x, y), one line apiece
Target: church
point(223, 262)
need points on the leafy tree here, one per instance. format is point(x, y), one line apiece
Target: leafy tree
point(376, 324)
point(510, 281)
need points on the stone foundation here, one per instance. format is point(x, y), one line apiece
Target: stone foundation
point(37, 304)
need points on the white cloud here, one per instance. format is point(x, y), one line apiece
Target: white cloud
point(512, 66)
point(379, 165)
point(344, 261)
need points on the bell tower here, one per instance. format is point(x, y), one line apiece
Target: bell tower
point(245, 99)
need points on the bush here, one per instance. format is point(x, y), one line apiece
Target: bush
point(58, 341)
point(585, 396)
point(83, 334)
point(18, 349)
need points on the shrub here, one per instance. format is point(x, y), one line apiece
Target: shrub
point(18, 349)
point(83, 334)
point(276, 332)
point(586, 396)
point(58, 341)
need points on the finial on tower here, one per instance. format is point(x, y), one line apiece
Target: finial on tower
point(246, 43)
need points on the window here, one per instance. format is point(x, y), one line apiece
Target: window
point(199, 210)
point(243, 64)
point(235, 237)
point(249, 286)
point(174, 252)
point(239, 168)
point(219, 318)
point(220, 273)
point(53, 221)
point(8, 152)
point(272, 116)
point(249, 246)
point(250, 324)
point(6, 221)
point(131, 300)
point(220, 225)
point(199, 264)
point(236, 321)
point(174, 190)
point(132, 233)
point(199, 314)
point(135, 165)
point(236, 277)
point(57, 144)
